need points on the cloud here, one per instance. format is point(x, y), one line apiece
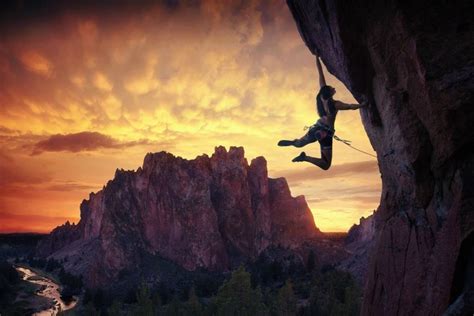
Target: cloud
point(112, 106)
point(362, 199)
point(84, 141)
point(185, 75)
point(70, 186)
point(12, 172)
point(101, 82)
point(35, 62)
point(8, 131)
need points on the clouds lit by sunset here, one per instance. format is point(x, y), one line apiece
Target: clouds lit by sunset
point(87, 90)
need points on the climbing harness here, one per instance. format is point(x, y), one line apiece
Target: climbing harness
point(344, 141)
point(321, 125)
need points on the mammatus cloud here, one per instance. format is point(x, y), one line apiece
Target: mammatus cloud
point(182, 76)
point(84, 141)
point(36, 63)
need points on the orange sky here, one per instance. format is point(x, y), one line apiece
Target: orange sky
point(85, 91)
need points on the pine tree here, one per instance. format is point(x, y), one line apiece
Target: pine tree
point(193, 305)
point(156, 299)
point(144, 302)
point(236, 296)
point(90, 310)
point(175, 308)
point(115, 309)
point(286, 301)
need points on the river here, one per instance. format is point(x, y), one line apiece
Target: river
point(51, 290)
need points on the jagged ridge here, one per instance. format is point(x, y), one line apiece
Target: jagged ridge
point(209, 212)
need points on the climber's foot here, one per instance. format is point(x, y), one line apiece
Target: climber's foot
point(285, 142)
point(301, 157)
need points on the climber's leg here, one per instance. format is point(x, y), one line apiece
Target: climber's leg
point(303, 141)
point(286, 142)
point(300, 157)
point(325, 140)
point(300, 142)
point(324, 162)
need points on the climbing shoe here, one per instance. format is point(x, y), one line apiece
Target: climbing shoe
point(301, 157)
point(285, 143)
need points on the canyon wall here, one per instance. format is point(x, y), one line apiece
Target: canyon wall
point(413, 61)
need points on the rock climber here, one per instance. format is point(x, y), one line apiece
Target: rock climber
point(323, 130)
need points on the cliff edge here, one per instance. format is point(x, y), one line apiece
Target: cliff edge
point(413, 62)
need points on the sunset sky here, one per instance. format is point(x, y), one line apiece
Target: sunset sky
point(89, 89)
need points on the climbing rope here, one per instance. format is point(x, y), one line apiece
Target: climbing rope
point(348, 143)
point(344, 141)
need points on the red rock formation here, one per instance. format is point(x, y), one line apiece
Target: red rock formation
point(206, 212)
point(413, 61)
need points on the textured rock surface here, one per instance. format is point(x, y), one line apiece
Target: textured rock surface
point(361, 233)
point(210, 212)
point(413, 62)
point(359, 243)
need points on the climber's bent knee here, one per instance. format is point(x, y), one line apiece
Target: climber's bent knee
point(298, 143)
point(326, 166)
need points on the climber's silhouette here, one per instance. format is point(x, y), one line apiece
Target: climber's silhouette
point(323, 130)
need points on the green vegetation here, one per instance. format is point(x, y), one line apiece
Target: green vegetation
point(236, 296)
point(329, 292)
point(285, 302)
point(276, 285)
point(334, 293)
point(145, 304)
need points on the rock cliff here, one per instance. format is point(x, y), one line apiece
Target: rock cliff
point(210, 212)
point(359, 243)
point(413, 62)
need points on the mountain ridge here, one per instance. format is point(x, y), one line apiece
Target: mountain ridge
point(208, 212)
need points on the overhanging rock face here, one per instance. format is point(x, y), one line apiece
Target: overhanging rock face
point(414, 63)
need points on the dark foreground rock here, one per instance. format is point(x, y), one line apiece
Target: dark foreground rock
point(413, 62)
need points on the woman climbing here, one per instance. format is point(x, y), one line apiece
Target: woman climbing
point(323, 130)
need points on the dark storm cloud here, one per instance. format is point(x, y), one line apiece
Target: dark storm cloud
point(19, 11)
point(46, 8)
point(16, 15)
point(84, 141)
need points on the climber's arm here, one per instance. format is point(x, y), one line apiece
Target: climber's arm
point(345, 106)
point(322, 80)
